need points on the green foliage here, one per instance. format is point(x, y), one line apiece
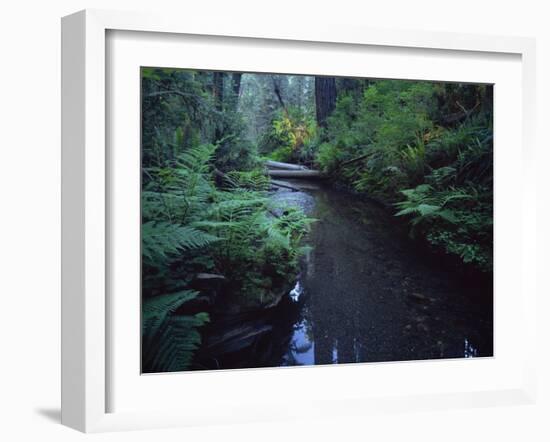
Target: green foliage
point(455, 210)
point(204, 205)
point(173, 103)
point(162, 239)
point(385, 125)
point(172, 198)
point(169, 340)
point(252, 180)
point(179, 111)
point(258, 250)
point(424, 147)
point(424, 204)
point(289, 136)
point(433, 140)
point(458, 220)
point(235, 151)
point(190, 226)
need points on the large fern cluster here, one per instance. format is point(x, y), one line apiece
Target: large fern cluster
point(258, 248)
point(173, 196)
point(454, 208)
point(189, 226)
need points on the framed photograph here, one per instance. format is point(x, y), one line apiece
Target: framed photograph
point(250, 211)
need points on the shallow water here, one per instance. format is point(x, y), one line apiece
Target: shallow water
point(366, 292)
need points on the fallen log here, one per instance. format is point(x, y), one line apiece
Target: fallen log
point(208, 276)
point(285, 166)
point(294, 173)
point(278, 183)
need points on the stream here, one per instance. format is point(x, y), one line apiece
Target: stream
point(366, 293)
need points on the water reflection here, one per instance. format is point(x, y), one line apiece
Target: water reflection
point(297, 291)
point(469, 350)
point(301, 350)
point(364, 294)
point(367, 294)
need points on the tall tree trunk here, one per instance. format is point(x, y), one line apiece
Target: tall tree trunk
point(217, 91)
point(236, 84)
point(236, 88)
point(325, 98)
point(277, 90)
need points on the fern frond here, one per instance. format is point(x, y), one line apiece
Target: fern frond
point(161, 239)
point(197, 158)
point(169, 341)
point(278, 238)
point(155, 309)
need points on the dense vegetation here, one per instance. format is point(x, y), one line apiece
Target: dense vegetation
point(208, 223)
point(205, 211)
point(426, 148)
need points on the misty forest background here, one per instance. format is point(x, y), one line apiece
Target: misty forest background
point(424, 150)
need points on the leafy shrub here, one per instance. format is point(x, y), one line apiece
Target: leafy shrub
point(390, 138)
point(289, 136)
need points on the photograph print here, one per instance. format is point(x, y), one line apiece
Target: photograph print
point(295, 220)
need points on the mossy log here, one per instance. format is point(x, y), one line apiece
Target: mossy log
point(305, 173)
point(286, 166)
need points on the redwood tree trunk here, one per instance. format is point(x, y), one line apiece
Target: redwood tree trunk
point(325, 98)
point(236, 89)
point(217, 91)
point(236, 84)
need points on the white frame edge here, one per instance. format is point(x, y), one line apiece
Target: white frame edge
point(84, 382)
point(83, 222)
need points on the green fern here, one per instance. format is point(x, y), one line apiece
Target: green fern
point(162, 239)
point(169, 341)
point(196, 159)
point(156, 309)
point(190, 226)
point(423, 204)
point(181, 192)
point(253, 180)
point(457, 219)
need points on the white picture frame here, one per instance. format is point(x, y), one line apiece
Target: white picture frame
point(86, 351)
